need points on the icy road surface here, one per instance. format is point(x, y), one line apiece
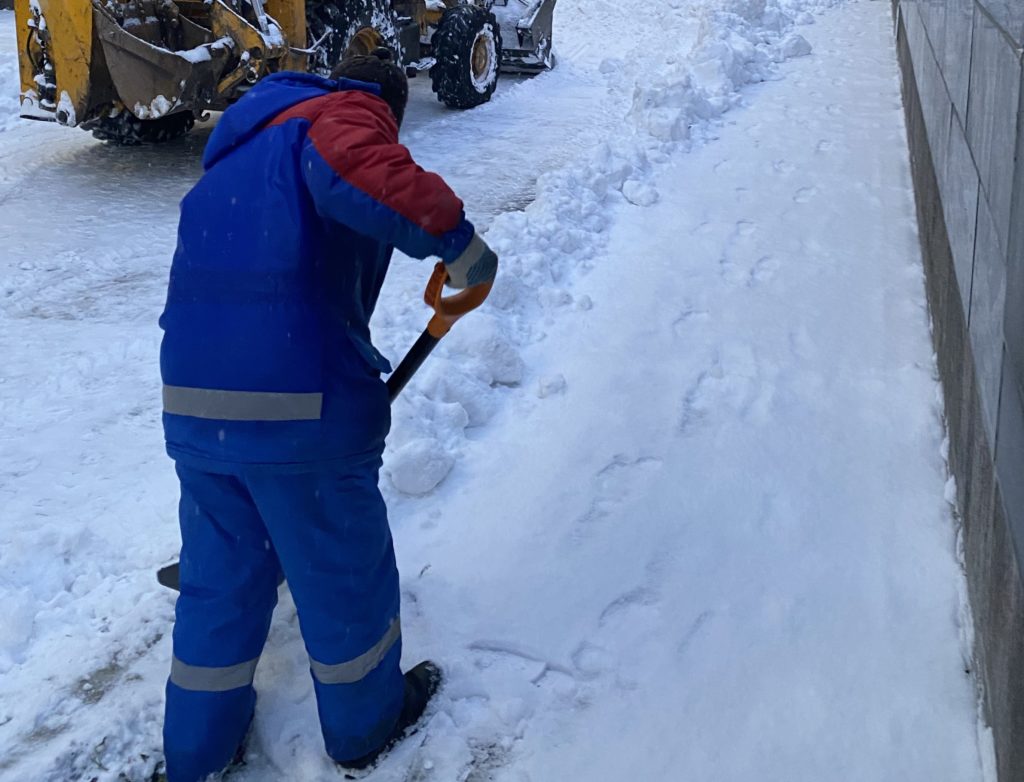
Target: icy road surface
point(672, 507)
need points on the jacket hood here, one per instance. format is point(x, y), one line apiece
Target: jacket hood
point(271, 96)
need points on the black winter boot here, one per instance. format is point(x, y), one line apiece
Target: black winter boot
point(421, 683)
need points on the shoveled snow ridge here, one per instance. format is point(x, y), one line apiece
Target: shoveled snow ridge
point(673, 102)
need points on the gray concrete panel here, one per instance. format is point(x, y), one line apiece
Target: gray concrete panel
point(988, 297)
point(960, 196)
point(1013, 328)
point(956, 54)
point(1003, 642)
point(936, 107)
point(992, 116)
point(917, 38)
point(933, 16)
point(969, 274)
point(1010, 454)
point(1009, 15)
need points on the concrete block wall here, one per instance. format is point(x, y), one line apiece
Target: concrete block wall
point(963, 81)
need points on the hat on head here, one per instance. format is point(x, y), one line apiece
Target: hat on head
point(378, 67)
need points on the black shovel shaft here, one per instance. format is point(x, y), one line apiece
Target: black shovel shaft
point(413, 360)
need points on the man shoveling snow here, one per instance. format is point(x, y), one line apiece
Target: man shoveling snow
point(275, 413)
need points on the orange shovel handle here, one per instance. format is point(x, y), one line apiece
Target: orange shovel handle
point(448, 309)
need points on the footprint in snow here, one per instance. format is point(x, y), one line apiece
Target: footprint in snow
point(805, 194)
point(681, 325)
point(534, 664)
point(731, 273)
point(613, 484)
point(693, 630)
point(763, 270)
point(735, 385)
point(592, 660)
point(801, 344)
point(639, 597)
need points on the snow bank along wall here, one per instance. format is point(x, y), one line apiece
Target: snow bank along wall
point(963, 86)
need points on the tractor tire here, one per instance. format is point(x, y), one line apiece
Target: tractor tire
point(467, 47)
point(127, 130)
point(344, 27)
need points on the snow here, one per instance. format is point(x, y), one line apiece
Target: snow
point(481, 83)
point(673, 505)
point(795, 45)
point(158, 107)
point(274, 36)
point(204, 53)
point(420, 466)
point(196, 55)
point(66, 110)
point(552, 384)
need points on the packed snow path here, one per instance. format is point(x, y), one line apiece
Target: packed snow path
point(691, 520)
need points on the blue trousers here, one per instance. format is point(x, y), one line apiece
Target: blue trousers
point(328, 533)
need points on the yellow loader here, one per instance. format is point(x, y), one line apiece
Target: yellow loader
point(134, 71)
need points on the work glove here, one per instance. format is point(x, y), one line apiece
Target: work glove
point(477, 265)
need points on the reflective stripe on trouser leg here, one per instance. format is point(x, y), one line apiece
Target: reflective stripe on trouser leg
point(330, 531)
point(228, 592)
point(359, 668)
point(356, 718)
point(201, 678)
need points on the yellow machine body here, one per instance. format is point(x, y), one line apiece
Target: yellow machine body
point(143, 70)
point(80, 63)
point(65, 37)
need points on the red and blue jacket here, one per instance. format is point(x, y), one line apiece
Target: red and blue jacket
point(283, 245)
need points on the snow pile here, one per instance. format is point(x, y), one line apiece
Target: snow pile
point(16, 625)
point(739, 43)
point(419, 466)
point(659, 103)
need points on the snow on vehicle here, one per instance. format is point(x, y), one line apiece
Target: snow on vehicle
point(135, 71)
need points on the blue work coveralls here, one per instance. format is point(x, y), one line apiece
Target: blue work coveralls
point(275, 412)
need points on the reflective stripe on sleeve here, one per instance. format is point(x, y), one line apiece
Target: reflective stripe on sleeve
point(199, 678)
point(360, 667)
point(241, 405)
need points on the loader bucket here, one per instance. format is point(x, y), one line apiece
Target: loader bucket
point(526, 28)
point(152, 81)
point(84, 62)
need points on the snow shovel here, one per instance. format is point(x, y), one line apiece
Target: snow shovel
point(447, 310)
